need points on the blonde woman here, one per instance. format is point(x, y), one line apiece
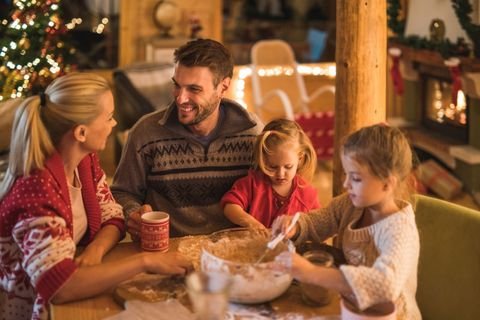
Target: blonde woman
point(55, 196)
point(285, 161)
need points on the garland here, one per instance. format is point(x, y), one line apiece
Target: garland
point(394, 23)
point(463, 9)
point(445, 47)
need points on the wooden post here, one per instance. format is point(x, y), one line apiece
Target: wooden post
point(360, 56)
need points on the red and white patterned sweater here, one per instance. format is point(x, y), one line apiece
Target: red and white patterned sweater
point(36, 234)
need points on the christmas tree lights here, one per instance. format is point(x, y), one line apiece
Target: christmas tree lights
point(34, 48)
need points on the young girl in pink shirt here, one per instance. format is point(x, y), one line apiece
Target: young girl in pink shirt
point(284, 162)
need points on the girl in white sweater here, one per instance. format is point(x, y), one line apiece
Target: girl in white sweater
point(374, 225)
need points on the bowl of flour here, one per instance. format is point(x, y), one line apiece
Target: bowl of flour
point(235, 252)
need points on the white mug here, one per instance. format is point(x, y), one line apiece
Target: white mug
point(155, 231)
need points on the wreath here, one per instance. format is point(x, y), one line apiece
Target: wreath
point(446, 48)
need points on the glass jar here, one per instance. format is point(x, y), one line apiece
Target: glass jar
point(315, 295)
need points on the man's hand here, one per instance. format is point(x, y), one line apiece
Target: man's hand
point(134, 222)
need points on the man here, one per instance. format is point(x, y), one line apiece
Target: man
point(182, 160)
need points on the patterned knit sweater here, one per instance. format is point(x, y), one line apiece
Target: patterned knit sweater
point(382, 258)
point(164, 165)
point(36, 234)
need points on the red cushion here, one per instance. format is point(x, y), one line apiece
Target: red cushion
point(319, 127)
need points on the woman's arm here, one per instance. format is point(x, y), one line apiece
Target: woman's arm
point(105, 240)
point(237, 215)
point(92, 280)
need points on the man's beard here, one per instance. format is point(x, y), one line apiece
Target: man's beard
point(205, 112)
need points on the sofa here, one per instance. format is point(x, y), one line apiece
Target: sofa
point(140, 89)
point(449, 266)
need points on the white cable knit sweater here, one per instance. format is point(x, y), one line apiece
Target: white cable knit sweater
point(382, 258)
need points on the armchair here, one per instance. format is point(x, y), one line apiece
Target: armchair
point(449, 266)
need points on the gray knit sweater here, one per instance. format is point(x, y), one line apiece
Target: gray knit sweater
point(163, 165)
point(382, 258)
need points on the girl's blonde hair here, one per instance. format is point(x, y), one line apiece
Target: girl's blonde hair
point(385, 151)
point(278, 132)
point(42, 120)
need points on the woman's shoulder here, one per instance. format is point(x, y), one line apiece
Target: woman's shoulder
point(32, 190)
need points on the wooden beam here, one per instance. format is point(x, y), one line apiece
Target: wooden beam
point(361, 71)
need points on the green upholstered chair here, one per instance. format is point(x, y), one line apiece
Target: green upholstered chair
point(449, 266)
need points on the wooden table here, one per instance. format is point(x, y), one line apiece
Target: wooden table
point(104, 305)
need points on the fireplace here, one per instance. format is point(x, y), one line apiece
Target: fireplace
point(447, 131)
point(439, 113)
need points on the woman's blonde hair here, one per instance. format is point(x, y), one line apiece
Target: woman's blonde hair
point(42, 120)
point(278, 132)
point(385, 151)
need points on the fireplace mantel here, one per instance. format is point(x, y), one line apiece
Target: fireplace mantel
point(413, 58)
point(433, 58)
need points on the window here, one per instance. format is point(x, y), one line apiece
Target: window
point(95, 31)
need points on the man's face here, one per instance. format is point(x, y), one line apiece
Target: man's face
point(196, 97)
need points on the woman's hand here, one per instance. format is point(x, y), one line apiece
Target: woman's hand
point(167, 263)
point(92, 255)
point(104, 240)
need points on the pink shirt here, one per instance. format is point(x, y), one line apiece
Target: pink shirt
point(254, 193)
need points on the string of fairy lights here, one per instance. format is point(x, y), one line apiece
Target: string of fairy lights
point(244, 72)
point(35, 48)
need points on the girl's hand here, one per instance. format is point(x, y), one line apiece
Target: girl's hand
point(167, 263)
point(92, 255)
point(281, 223)
point(299, 267)
point(257, 226)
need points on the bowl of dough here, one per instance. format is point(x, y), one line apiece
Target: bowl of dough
point(235, 252)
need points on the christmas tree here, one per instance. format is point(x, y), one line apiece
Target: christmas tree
point(33, 47)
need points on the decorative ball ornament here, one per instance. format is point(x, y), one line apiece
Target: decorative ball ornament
point(16, 14)
point(55, 19)
point(24, 43)
point(166, 15)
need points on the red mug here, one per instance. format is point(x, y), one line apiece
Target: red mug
point(155, 231)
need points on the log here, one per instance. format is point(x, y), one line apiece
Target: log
point(361, 48)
